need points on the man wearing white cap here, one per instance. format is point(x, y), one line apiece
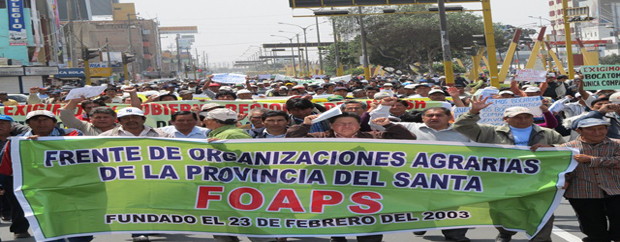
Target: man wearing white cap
point(594, 186)
point(132, 125)
point(222, 122)
point(609, 112)
point(421, 90)
point(223, 125)
point(519, 130)
point(244, 94)
point(42, 123)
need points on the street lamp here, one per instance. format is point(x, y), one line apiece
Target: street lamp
point(300, 53)
point(305, 41)
point(552, 23)
point(292, 52)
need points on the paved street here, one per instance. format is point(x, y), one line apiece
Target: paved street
point(567, 229)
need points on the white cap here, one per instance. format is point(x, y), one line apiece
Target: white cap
point(226, 88)
point(41, 113)
point(388, 85)
point(211, 106)
point(299, 87)
point(615, 98)
point(550, 74)
point(436, 91)
point(381, 95)
point(244, 91)
point(589, 122)
point(222, 114)
point(283, 88)
point(442, 77)
point(514, 111)
point(532, 89)
point(577, 77)
point(506, 92)
point(129, 111)
point(410, 86)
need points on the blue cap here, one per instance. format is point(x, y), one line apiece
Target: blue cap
point(6, 118)
point(590, 122)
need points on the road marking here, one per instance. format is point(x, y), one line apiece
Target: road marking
point(565, 235)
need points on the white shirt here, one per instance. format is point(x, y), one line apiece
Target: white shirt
point(144, 133)
point(196, 133)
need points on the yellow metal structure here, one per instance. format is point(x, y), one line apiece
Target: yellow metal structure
point(511, 52)
point(489, 33)
point(536, 49)
point(569, 41)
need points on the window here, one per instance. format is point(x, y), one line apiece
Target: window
point(552, 13)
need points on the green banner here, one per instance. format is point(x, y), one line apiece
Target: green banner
point(158, 113)
point(282, 187)
point(601, 77)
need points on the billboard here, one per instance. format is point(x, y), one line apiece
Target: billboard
point(17, 25)
point(350, 3)
point(179, 30)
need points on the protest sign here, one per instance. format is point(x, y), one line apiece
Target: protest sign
point(229, 78)
point(601, 77)
point(529, 75)
point(281, 187)
point(494, 114)
point(158, 113)
point(85, 92)
point(346, 78)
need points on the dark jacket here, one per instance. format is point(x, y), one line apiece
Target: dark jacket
point(392, 131)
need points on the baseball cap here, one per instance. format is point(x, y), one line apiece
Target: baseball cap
point(589, 122)
point(506, 92)
point(550, 74)
point(615, 98)
point(226, 88)
point(211, 106)
point(341, 89)
point(129, 111)
point(514, 111)
point(222, 114)
point(6, 118)
point(335, 98)
point(213, 84)
point(388, 85)
point(244, 91)
point(382, 95)
point(299, 87)
point(40, 113)
point(532, 89)
point(3, 93)
point(185, 92)
point(436, 91)
point(410, 86)
point(442, 77)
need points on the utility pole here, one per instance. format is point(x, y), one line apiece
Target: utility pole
point(318, 36)
point(445, 44)
point(197, 62)
point(107, 48)
point(569, 41)
point(179, 64)
point(339, 71)
point(364, 50)
point(71, 50)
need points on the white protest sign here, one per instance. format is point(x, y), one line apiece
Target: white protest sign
point(346, 78)
point(494, 114)
point(328, 114)
point(531, 75)
point(85, 92)
point(229, 78)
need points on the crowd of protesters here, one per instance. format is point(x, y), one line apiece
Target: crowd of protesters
point(587, 121)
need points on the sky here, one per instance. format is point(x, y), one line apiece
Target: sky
point(233, 30)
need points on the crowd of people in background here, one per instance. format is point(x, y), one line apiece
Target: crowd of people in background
point(587, 121)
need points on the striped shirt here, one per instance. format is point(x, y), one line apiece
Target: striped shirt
point(601, 176)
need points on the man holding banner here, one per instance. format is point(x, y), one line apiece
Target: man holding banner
point(518, 130)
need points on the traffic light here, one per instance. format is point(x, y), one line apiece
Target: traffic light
point(470, 51)
point(479, 39)
point(88, 54)
point(580, 19)
point(128, 58)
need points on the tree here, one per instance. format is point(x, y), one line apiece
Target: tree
point(401, 40)
point(612, 59)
